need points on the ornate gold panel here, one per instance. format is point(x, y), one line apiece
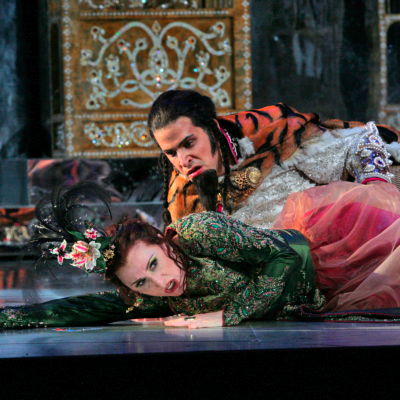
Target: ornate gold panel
point(119, 55)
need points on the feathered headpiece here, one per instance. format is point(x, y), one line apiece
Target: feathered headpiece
point(68, 230)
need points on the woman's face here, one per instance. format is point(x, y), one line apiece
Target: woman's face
point(188, 148)
point(150, 271)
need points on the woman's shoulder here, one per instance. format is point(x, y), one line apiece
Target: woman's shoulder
point(197, 220)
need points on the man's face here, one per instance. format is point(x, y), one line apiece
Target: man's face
point(188, 148)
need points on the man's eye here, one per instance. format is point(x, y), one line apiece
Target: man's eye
point(140, 283)
point(188, 144)
point(153, 264)
point(171, 153)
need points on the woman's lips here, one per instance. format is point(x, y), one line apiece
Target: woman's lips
point(195, 171)
point(171, 286)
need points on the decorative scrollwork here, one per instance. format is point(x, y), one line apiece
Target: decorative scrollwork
point(118, 134)
point(163, 4)
point(102, 5)
point(161, 71)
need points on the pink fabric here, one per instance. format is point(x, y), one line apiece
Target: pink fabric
point(365, 181)
point(354, 235)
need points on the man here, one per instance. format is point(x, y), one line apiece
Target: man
point(248, 163)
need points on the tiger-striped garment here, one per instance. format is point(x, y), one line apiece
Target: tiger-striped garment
point(276, 133)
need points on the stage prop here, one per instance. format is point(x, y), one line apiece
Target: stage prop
point(116, 56)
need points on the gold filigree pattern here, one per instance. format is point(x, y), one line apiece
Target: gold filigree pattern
point(243, 184)
point(118, 56)
point(141, 4)
point(119, 134)
point(116, 67)
point(100, 5)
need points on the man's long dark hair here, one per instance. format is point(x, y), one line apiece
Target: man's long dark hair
point(170, 106)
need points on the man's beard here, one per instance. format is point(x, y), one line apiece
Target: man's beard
point(207, 188)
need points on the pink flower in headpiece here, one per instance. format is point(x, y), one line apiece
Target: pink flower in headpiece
point(84, 255)
point(91, 233)
point(60, 252)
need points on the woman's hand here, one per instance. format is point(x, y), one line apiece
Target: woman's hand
point(206, 320)
point(156, 321)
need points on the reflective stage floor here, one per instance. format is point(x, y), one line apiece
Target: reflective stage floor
point(120, 338)
point(331, 359)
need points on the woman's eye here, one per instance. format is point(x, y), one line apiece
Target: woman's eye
point(153, 264)
point(140, 283)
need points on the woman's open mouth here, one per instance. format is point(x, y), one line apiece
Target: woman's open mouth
point(171, 286)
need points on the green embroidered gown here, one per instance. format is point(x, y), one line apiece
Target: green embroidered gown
point(249, 273)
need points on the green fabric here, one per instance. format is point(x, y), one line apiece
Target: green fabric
point(92, 309)
point(253, 273)
point(248, 272)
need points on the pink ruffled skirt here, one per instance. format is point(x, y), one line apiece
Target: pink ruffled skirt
point(354, 235)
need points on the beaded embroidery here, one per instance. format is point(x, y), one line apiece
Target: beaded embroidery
point(371, 159)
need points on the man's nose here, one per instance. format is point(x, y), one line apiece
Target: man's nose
point(185, 160)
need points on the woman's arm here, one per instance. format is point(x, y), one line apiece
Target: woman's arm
point(92, 309)
point(216, 236)
point(260, 297)
point(240, 299)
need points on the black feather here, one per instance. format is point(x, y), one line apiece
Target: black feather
point(66, 210)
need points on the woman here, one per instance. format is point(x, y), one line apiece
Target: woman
point(217, 271)
point(222, 271)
